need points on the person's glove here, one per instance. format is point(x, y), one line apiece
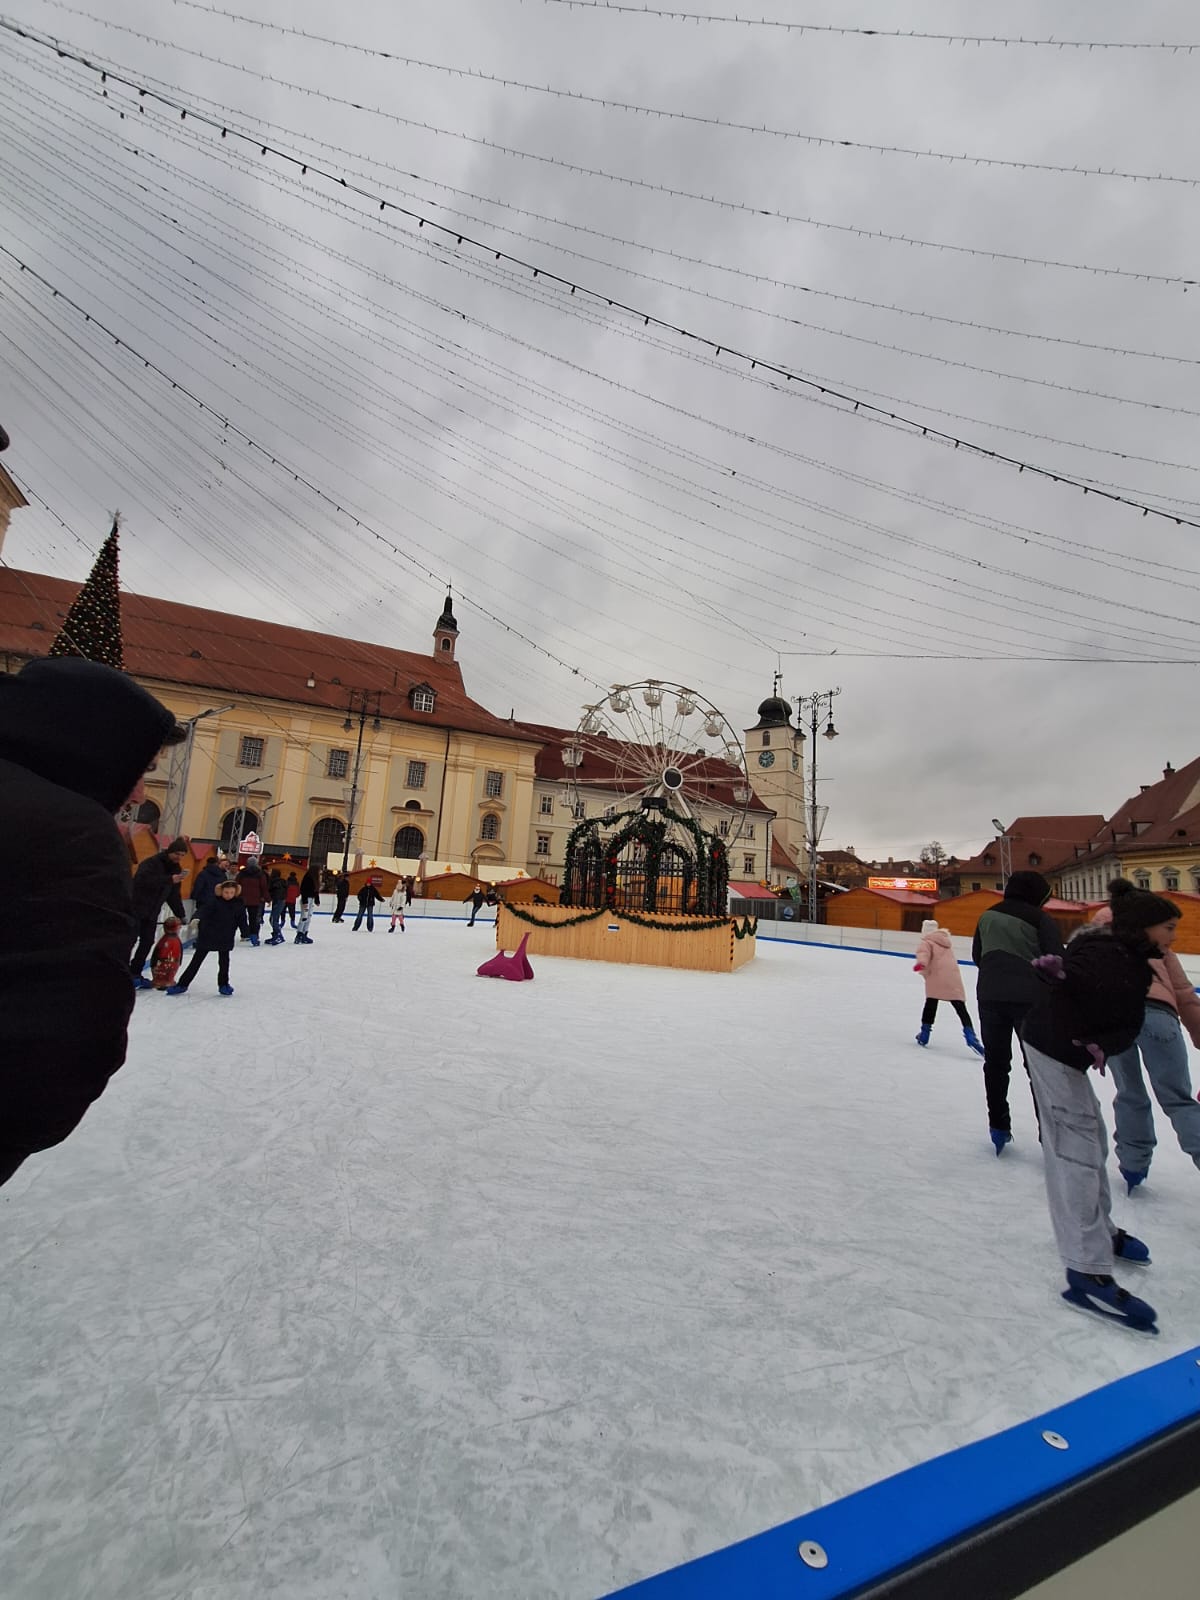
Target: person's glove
point(1049, 966)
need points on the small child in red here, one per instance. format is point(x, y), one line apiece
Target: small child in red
point(168, 953)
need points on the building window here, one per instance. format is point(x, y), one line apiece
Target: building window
point(1141, 880)
point(975, 887)
point(723, 827)
point(338, 765)
point(225, 832)
point(766, 740)
point(408, 844)
point(546, 805)
point(748, 864)
point(422, 698)
point(1035, 860)
point(150, 814)
point(328, 839)
point(493, 785)
point(250, 751)
point(1170, 879)
point(489, 828)
point(414, 778)
point(543, 844)
point(579, 811)
point(749, 830)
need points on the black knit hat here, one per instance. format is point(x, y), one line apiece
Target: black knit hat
point(1137, 909)
point(1029, 887)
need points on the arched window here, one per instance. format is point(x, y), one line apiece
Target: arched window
point(149, 812)
point(249, 825)
point(328, 837)
point(409, 842)
point(489, 828)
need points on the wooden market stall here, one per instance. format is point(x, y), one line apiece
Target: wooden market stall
point(961, 914)
point(524, 891)
point(695, 944)
point(895, 910)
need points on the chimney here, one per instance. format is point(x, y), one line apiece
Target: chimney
point(1142, 787)
point(1168, 771)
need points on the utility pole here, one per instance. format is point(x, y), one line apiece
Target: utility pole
point(1005, 852)
point(817, 706)
point(364, 702)
point(238, 825)
point(180, 767)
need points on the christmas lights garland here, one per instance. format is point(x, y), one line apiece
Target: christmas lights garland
point(747, 930)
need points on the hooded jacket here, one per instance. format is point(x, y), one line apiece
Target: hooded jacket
point(75, 738)
point(154, 882)
point(254, 884)
point(1100, 999)
point(1007, 939)
point(206, 883)
point(943, 976)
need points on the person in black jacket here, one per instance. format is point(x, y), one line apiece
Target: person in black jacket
point(1093, 1005)
point(207, 879)
point(220, 921)
point(309, 898)
point(1007, 939)
point(75, 740)
point(277, 891)
point(475, 900)
point(369, 897)
point(341, 888)
point(255, 896)
point(155, 881)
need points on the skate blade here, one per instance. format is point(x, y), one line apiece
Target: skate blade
point(1085, 1306)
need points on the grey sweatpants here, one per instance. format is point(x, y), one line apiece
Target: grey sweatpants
point(1074, 1151)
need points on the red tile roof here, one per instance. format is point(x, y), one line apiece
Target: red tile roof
point(1165, 813)
point(751, 891)
point(781, 860)
point(1051, 839)
point(903, 897)
point(171, 643)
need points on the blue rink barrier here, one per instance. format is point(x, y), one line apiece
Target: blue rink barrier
point(985, 1522)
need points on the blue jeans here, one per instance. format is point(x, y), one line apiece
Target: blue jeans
point(278, 912)
point(1164, 1055)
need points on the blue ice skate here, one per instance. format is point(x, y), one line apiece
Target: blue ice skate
point(972, 1040)
point(142, 983)
point(1000, 1137)
point(1132, 1179)
point(1104, 1297)
point(177, 988)
point(923, 1036)
point(1130, 1249)
point(225, 988)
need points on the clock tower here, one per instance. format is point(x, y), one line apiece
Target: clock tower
point(775, 761)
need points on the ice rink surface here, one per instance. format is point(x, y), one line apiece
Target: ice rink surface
point(380, 1280)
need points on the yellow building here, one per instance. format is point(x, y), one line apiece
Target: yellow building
point(282, 718)
point(1153, 839)
point(11, 499)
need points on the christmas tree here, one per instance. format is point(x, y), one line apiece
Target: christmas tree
point(93, 623)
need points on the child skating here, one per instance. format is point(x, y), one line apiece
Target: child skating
point(221, 918)
point(1093, 1006)
point(938, 965)
point(396, 906)
point(168, 953)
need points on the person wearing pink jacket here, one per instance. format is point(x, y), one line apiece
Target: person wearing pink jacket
point(1172, 1004)
point(943, 981)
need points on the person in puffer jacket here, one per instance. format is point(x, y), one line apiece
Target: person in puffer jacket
point(943, 981)
point(1171, 1006)
point(1092, 1007)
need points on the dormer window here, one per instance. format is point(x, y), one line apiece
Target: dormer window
point(422, 698)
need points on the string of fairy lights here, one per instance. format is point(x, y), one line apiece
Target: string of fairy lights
point(580, 97)
point(858, 403)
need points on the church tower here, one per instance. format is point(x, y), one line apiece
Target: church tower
point(445, 635)
point(775, 761)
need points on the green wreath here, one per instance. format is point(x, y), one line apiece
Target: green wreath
point(747, 930)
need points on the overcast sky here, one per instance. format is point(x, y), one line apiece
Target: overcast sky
point(622, 499)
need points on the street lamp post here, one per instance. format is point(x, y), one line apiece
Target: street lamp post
point(365, 702)
point(818, 706)
point(181, 765)
point(1005, 852)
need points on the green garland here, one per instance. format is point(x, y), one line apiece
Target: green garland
point(747, 930)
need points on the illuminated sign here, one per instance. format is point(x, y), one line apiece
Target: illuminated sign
point(913, 885)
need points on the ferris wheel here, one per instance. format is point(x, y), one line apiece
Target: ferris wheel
point(661, 746)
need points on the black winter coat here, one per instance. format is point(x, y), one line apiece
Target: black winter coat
point(221, 921)
point(206, 883)
point(74, 740)
point(154, 882)
point(308, 888)
point(277, 889)
point(1101, 1000)
point(369, 896)
point(1007, 938)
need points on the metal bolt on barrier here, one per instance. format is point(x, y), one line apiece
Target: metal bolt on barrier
point(1055, 1440)
point(813, 1554)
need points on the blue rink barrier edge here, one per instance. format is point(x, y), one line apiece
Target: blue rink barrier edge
point(888, 1526)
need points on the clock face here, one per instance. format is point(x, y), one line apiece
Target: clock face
point(766, 758)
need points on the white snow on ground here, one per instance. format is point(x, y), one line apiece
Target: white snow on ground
point(383, 1280)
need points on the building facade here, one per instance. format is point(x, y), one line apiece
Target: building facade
point(1153, 839)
